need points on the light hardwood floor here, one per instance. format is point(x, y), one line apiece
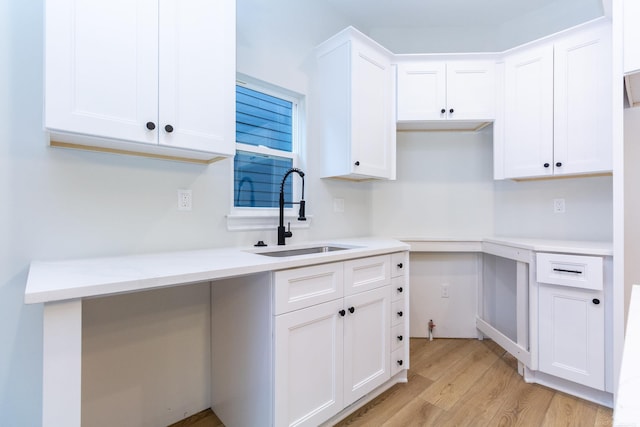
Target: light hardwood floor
point(457, 382)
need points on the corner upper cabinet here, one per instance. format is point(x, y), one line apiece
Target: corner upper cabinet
point(557, 107)
point(355, 84)
point(143, 76)
point(458, 94)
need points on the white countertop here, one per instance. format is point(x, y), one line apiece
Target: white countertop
point(627, 410)
point(454, 244)
point(81, 278)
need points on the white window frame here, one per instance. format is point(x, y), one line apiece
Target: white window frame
point(260, 218)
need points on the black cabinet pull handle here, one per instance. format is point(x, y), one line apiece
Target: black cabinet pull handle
point(400, 265)
point(399, 314)
point(351, 310)
point(400, 362)
point(451, 111)
point(546, 165)
point(558, 164)
point(400, 289)
point(342, 313)
point(357, 163)
point(399, 337)
point(151, 125)
point(168, 128)
point(596, 301)
point(564, 270)
point(443, 111)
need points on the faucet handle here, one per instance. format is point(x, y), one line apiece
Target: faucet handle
point(288, 233)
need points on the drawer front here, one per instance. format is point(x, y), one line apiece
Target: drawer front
point(398, 336)
point(399, 263)
point(398, 313)
point(398, 288)
point(364, 274)
point(303, 287)
point(398, 361)
point(576, 271)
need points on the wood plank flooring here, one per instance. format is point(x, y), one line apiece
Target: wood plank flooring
point(456, 382)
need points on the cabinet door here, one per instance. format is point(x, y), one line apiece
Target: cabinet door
point(471, 90)
point(366, 342)
point(571, 329)
point(373, 130)
point(583, 103)
point(309, 365)
point(528, 116)
point(101, 68)
point(197, 75)
point(421, 91)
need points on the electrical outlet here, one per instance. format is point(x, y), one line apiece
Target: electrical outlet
point(558, 205)
point(444, 291)
point(184, 200)
point(338, 205)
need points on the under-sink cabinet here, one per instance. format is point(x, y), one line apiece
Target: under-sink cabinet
point(144, 76)
point(436, 94)
point(337, 334)
point(557, 107)
point(355, 81)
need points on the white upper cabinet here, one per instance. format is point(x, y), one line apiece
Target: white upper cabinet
point(631, 34)
point(357, 109)
point(445, 95)
point(142, 76)
point(557, 107)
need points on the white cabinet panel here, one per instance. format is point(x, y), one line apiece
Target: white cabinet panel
point(422, 91)
point(366, 342)
point(571, 328)
point(309, 365)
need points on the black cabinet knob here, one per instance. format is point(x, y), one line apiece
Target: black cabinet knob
point(399, 314)
point(596, 301)
point(151, 125)
point(558, 164)
point(399, 337)
point(352, 309)
point(168, 128)
point(451, 111)
point(546, 165)
point(357, 163)
point(400, 289)
point(400, 265)
point(342, 313)
point(443, 111)
point(400, 362)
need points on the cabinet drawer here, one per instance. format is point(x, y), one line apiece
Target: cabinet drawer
point(303, 287)
point(398, 361)
point(576, 271)
point(398, 288)
point(398, 336)
point(398, 313)
point(399, 263)
point(366, 273)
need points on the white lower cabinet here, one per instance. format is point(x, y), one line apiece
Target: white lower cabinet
point(308, 342)
point(571, 325)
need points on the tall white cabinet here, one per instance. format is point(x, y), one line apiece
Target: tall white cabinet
point(355, 83)
point(147, 76)
point(557, 107)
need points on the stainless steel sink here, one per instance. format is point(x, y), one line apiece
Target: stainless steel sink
point(303, 251)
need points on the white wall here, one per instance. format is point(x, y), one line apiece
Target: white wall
point(631, 201)
point(445, 187)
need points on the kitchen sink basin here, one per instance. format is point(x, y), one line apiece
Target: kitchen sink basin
point(303, 251)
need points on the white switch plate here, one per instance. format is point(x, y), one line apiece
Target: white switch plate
point(184, 200)
point(558, 206)
point(338, 205)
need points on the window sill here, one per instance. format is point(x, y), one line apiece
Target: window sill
point(246, 222)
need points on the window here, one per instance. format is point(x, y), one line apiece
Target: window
point(267, 123)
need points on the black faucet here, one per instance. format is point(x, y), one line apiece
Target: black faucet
point(282, 234)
